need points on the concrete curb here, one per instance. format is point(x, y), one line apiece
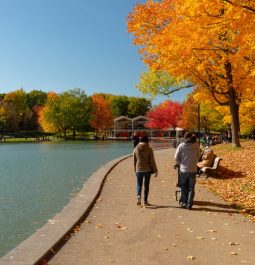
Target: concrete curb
point(41, 244)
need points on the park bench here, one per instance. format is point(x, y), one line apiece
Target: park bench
point(213, 170)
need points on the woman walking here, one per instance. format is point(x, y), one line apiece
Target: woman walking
point(145, 165)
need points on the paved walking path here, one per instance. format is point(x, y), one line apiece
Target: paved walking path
point(117, 231)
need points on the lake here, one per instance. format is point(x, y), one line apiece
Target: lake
point(38, 179)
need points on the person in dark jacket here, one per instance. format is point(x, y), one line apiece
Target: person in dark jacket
point(136, 139)
point(187, 155)
point(145, 165)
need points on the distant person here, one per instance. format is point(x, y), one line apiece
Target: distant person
point(136, 139)
point(145, 165)
point(186, 156)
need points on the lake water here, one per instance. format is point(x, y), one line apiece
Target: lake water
point(38, 179)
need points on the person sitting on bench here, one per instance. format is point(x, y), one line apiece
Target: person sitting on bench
point(207, 158)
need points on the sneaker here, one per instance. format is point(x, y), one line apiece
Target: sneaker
point(146, 204)
point(138, 200)
point(189, 207)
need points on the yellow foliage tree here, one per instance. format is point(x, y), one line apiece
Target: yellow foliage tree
point(210, 43)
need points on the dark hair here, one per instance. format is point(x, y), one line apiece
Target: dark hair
point(190, 137)
point(187, 135)
point(144, 139)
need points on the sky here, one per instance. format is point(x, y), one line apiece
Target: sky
point(57, 45)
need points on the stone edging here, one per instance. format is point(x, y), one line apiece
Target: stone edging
point(42, 242)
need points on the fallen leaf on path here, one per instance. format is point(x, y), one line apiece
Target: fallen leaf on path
point(120, 226)
point(76, 229)
point(211, 231)
point(99, 226)
point(200, 237)
point(99, 199)
point(190, 257)
point(233, 243)
point(233, 253)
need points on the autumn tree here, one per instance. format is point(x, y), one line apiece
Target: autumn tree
point(190, 117)
point(15, 109)
point(102, 117)
point(49, 119)
point(165, 115)
point(206, 43)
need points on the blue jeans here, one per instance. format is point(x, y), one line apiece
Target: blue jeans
point(187, 183)
point(146, 176)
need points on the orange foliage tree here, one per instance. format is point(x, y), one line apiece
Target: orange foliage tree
point(209, 43)
point(102, 117)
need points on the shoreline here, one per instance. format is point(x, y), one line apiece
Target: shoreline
point(39, 245)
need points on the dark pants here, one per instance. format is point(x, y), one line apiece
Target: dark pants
point(187, 183)
point(146, 176)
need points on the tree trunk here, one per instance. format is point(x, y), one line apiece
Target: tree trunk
point(233, 106)
point(234, 111)
point(74, 133)
point(198, 118)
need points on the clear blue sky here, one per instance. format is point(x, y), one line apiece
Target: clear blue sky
point(57, 45)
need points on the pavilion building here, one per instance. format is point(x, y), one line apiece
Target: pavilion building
point(125, 127)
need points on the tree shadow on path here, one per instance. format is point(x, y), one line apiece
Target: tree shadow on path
point(214, 207)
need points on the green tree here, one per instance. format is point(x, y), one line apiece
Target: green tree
point(119, 106)
point(138, 107)
point(81, 110)
point(36, 98)
point(153, 83)
point(69, 110)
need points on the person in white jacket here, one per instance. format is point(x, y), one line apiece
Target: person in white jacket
point(187, 155)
